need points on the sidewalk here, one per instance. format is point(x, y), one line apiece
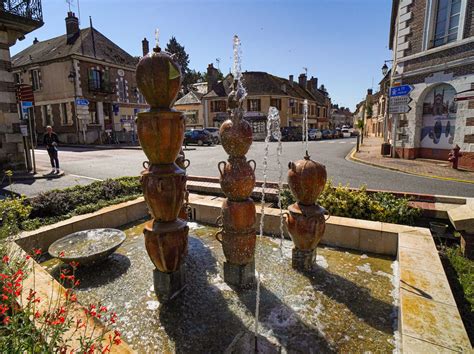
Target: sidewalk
point(369, 153)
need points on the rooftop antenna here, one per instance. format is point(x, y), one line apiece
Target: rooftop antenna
point(80, 32)
point(305, 71)
point(218, 61)
point(69, 2)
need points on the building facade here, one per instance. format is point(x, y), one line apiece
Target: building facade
point(17, 18)
point(265, 90)
point(433, 50)
point(83, 83)
point(340, 116)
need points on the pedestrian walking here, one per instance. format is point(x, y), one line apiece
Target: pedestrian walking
point(51, 141)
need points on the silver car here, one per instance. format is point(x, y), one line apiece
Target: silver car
point(214, 133)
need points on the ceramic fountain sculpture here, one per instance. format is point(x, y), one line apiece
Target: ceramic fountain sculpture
point(306, 219)
point(161, 134)
point(237, 179)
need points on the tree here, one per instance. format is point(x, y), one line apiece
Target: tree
point(180, 55)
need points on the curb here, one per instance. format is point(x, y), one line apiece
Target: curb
point(351, 156)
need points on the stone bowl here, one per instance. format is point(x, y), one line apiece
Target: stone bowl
point(87, 247)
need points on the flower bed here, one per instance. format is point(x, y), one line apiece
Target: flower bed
point(359, 204)
point(38, 320)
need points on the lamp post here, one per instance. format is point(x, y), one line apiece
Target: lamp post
point(386, 145)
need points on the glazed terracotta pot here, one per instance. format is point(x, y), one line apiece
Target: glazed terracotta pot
point(238, 247)
point(164, 193)
point(159, 79)
point(184, 212)
point(306, 225)
point(237, 177)
point(166, 244)
point(161, 135)
point(238, 216)
point(306, 179)
point(182, 161)
point(236, 136)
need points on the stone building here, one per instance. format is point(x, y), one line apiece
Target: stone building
point(83, 83)
point(191, 104)
point(17, 18)
point(265, 90)
point(433, 50)
point(340, 116)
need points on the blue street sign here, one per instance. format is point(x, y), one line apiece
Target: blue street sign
point(402, 90)
point(82, 102)
point(26, 104)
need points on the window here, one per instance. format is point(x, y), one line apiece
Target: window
point(300, 108)
point(253, 105)
point(447, 18)
point(318, 111)
point(64, 112)
point(95, 79)
point(218, 106)
point(46, 115)
point(122, 90)
point(93, 113)
point(35, 79)
point(276, 102)
point(17, 77)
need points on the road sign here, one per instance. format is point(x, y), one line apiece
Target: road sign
point(399, 109)
point(24, 129)
point(82, 102)
point(402, 90)
point(400, 100)
point(24, 93)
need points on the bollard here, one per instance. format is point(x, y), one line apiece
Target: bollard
point(358, 143)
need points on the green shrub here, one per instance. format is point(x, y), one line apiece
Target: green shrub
point(359, 204)
point(12, 212)
point(465, 272)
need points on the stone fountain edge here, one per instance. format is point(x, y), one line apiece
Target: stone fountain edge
point(428, 319)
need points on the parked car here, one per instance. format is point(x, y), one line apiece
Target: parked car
point(314, 134)
point(198, 136)
point(291, 133)
point(215, 134)
point(345, 133)
point(337, 133)
point(327, 134)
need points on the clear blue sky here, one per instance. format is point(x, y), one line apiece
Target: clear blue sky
point(342, 42)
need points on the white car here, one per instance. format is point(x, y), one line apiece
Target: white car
point(346, 133)
point(215, 134)
point(315, 134)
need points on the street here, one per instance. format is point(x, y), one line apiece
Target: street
point(85, 165)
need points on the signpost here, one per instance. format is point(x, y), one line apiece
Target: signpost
point(82, 102)
point(398, 104)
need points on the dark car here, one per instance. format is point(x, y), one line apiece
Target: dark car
point(198, 136)
point(327, 134)
point(291, 133)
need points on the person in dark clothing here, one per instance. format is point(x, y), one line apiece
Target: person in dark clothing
point(51, 141)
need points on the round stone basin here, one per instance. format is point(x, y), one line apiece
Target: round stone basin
point(87, 247)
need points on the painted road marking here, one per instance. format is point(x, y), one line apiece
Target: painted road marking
point(92, 178)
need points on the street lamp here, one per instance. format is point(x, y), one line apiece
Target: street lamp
point(384, 69)
point(71, 76)
point(386, 145)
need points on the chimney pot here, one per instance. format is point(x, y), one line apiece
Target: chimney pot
point(302, 80)
point(35, 40)
point(290, 79)
point(369, 92)
point(72, 27)
point(145, 46)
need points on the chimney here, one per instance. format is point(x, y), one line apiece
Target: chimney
point(35, 40)
point(72, 27)
point(313, 84)
point(302, 80)
point(290, 78)
point(212, 75)
point(145, 46)
point(369, 92)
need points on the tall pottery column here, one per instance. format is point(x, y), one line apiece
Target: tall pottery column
point(237, 179)
point(306, 219)
point(161, 134)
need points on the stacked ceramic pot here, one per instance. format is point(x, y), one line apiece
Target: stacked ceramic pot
point(237, 179)
point(306, 219)
point(161, 134)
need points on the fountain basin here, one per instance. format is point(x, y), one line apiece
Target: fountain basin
point(87, 247)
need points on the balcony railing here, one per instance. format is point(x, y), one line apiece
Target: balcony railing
point(100, 86)
point(28, 9)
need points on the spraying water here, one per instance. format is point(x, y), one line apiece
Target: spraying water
point(305, 125)
point(237, 69)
